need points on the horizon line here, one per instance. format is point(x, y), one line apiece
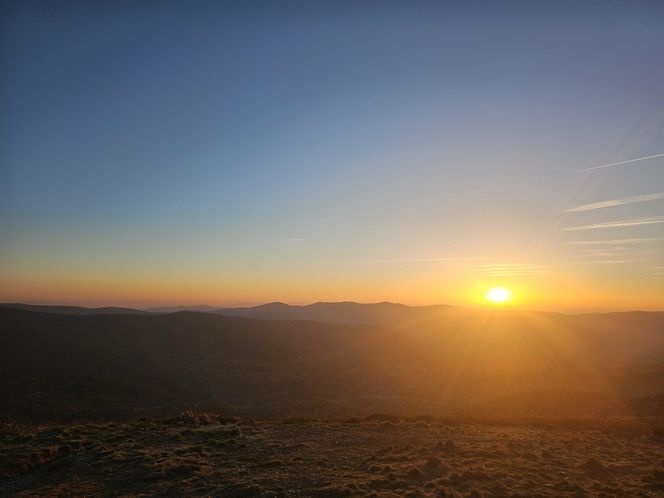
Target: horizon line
point(478, 308)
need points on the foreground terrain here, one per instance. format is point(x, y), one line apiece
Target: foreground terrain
point(379, 456)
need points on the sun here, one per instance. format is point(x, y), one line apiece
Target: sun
point(499, 295)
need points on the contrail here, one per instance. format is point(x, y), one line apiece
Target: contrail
point(610, 242)
point(610, 165)
point(566, 173)
point(616, 202)
point(619, 224)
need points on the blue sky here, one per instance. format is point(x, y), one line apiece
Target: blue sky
point(308, 150)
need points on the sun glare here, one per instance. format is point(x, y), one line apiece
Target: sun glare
point(499, 295)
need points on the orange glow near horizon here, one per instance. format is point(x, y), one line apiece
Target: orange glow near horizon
point(546, 294)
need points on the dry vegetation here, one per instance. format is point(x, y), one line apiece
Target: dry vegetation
point(204, 454)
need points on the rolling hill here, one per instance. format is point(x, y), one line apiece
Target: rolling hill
point(74, 310)
point(391, 315)
point(123, 365)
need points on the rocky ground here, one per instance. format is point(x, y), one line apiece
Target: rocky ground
point(208, 456)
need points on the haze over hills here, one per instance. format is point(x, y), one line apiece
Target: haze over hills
point(385, 314)
point(449, 362)
point(173, 309)
point(74, 310)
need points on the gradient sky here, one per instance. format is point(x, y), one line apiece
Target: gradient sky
point(209, 152)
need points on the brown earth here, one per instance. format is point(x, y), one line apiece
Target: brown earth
point(379, 456)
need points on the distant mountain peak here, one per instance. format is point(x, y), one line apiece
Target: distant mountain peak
point(274, 304)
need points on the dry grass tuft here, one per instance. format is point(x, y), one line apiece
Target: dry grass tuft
point(378, 456)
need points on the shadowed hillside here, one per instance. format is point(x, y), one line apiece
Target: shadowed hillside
point(58, 365)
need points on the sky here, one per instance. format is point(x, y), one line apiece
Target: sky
point(419, 152)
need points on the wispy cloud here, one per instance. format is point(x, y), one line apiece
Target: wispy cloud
point(655, 270)
point(608, 250)
point(618, 224)
point(610, 242)
point(612, 253)
point(295, 239)
point(606, 262)
point(408, 260)
point(511, 269)
point(649, 273)
point(616, 202)
point(646, 278)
